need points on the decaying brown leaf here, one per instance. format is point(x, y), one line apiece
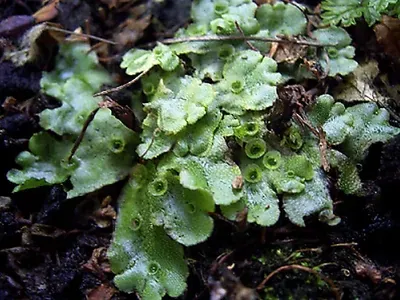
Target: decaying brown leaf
point(393, 91)
point(98, 262)
point(388, 35)
point(10, 104)
point(133, 27)
point(102, 292)
point(47, 12)
point(359, 86)
point(237, 183)
point(105, 214)
point(47, 231)
point(289, 52)
point(123, 113)
point(36, 46)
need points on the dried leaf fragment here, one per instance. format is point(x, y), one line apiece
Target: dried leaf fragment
point(47, 12)
point(237, 183)
point(36, 45)
point(290, 52)
point(98, 262)
point(359, 85)
point(388, 35)
point(102, 292)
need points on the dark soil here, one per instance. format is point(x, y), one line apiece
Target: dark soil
point(54, 248)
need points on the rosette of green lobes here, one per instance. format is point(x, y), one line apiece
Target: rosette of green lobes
point(157, 214)
point(138, 60)
point(371, 125)
point(196, 139)
point(145, 259)
point(313, 199)
point(75, 78)
point(265, 177)
point(107, 150)
point(103, 157)
point(206, 175)
point(261, 201)
point(216, 17)
point(221, 15)
point(337, 58)
point(258, 196)
point(349, 181)
point(210, 64)
point(181, 211)
point(353, 129)
point(249, 83)
point(281, 19)
point(180, 103)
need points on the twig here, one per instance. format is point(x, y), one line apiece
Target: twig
point(320, 134)
point(49, 27)
point(121, 87)
point(325, 265)
point(243, 35)
point(319, 250)
point(210, 38)
point(95, 47)
point(301, 268)
point(328, 65)
point(323, 148)
point(153, 137)
point(290, 2)
point(82, 134)
point(222, 218)
point(350, 245)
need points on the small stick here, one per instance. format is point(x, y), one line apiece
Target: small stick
point(290, 2)
point(326, 264)
point(328, 65)
point(121, 87)
point(239, 38)
point(94, 47)
point(319, 250)
point(82, 134)
point(320, 134)
point(323, 148)
point(302, 268)
point(80, 34)
point(247, 41)
point(350, 245)
point(153, 137)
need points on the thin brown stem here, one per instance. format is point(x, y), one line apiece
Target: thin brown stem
point(82, 134)
point(240, 38)
point(49, 27)
point(318, 250)
point(153, 137)
point(247, 41)
point(290, 2)
point(350, 245)
point(301, 268)
point(121, 87)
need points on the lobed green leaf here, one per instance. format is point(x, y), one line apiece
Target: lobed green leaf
point(142, 255)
